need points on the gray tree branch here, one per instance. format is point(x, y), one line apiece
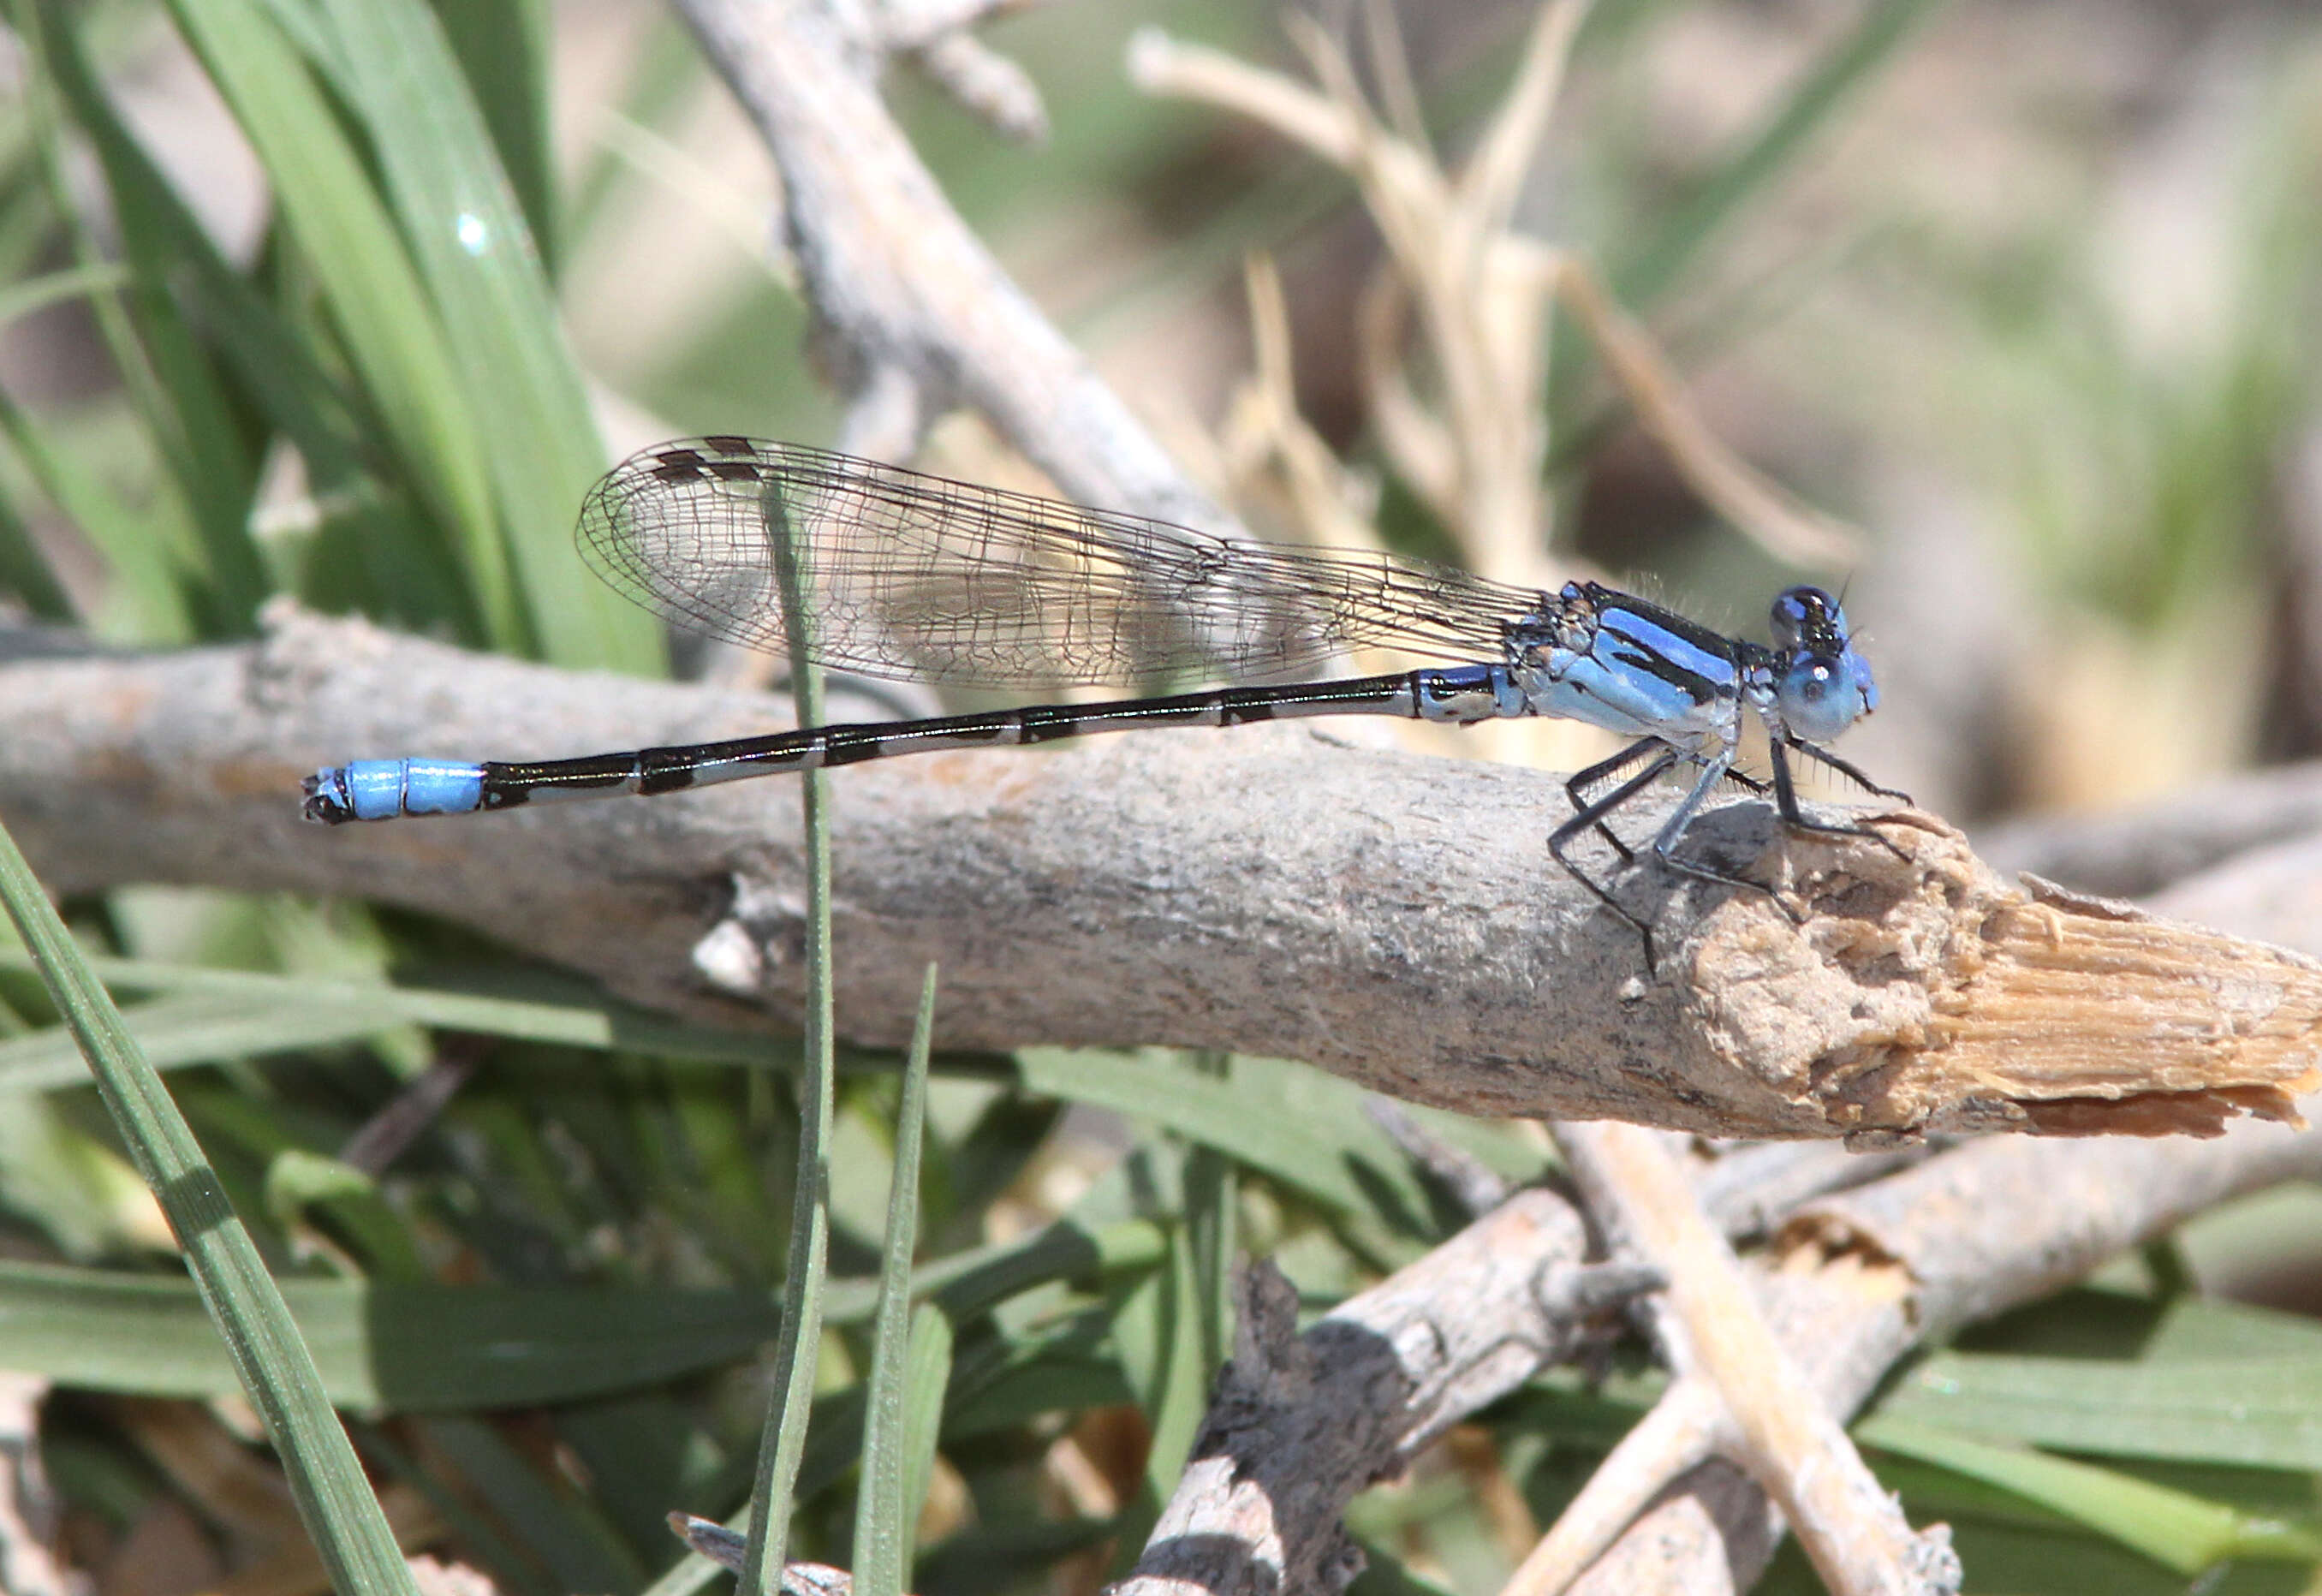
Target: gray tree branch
point(1301, 1422)
point(1391, 917)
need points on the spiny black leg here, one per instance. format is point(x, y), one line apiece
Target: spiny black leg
point(1592, 814)
point(1786, 800)
point(1575, 789)
point(1665, 843)
point(1846, 771)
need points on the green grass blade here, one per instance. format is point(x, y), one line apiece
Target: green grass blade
point(2261, 1412)
point(206, 1015)
point(24, 574)
point(24, 571)
point(504, 52)
point(1307, 1150)
point(783, 1446)
point(1213, 1199)
point(483, 273)
point(384, 1347)
point(410, 573)
point(1180, 1397)
point(1159, 1335)
point(142, 549)
point(2185, 1532)
point(1648, 273)
point(189, 1029)
point(926, 1382)
point(885, 1513)
point(334, 1500)
point(541, 1513)
point(22, 299)
point(165, 372)
point(378, 303)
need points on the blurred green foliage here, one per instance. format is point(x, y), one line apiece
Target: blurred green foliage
point(544, 1317)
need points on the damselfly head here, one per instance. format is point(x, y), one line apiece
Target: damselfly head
point(1823, 686)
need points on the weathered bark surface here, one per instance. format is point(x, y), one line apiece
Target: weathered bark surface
point(1275, 889)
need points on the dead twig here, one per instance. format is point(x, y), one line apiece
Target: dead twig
point(1297, 1427)
point(1737, 1392)
point(1409, 933)
point(1861, 1278)
point(903, 291)
point(1480, 291)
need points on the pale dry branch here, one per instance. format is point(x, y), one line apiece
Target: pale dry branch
point(1264, 433)
point(2137, 852)
point(1296, 1428)
point(1476, 1186)
point(1418, 443)
point(1160, 65)
point(29, 1565)
point(1477, 287)
point(897, 281)
point(728, 1548)
point(1775, 518)
point(1861, 1279)
point(1481, 291)
point(1391, 67)
point(1270, 889)
point(1715, 1342)
point(1685, 1428)
point(1494, 179)
point(987, 82)
point(1481, 316)
point(1299, 1423)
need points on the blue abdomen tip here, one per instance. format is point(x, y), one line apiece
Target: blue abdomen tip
point(384, 789)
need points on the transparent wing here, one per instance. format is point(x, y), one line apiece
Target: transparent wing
point(906, 575)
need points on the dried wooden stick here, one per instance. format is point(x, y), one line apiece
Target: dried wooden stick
point(898, 282)
point(2140, 851)
point(1296, 1428)
point(1388, 916)
point(725, 1547)
point(28, 1508)
point(1479, 290)
point(1300, 1423)
point(1861, 1278)
point(1762, 1412)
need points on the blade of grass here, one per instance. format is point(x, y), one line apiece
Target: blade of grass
point(1649, 271)
point(1211, 1198)
point(166, 375)
point(22, 299)
point(334, 1500)
point(412, 573)
point(1159, 1336)
point(1310, 1150)
point(484, 276)
point(782, 1444)
point(2182, 1531)
point(386, 1347)
point(552, 1523)
point(24, 570)
point(207, 1015)
point(1182, 1395)
point(884, 1511)
point(381, 312)
point(504, 50)
point(142, 549)
point(2263, 1412)
point(24, 574)
point(926, 1382)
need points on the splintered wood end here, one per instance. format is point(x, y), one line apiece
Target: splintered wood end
point(1932, 996)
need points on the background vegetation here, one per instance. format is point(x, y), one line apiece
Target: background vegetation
point(2033, 292)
